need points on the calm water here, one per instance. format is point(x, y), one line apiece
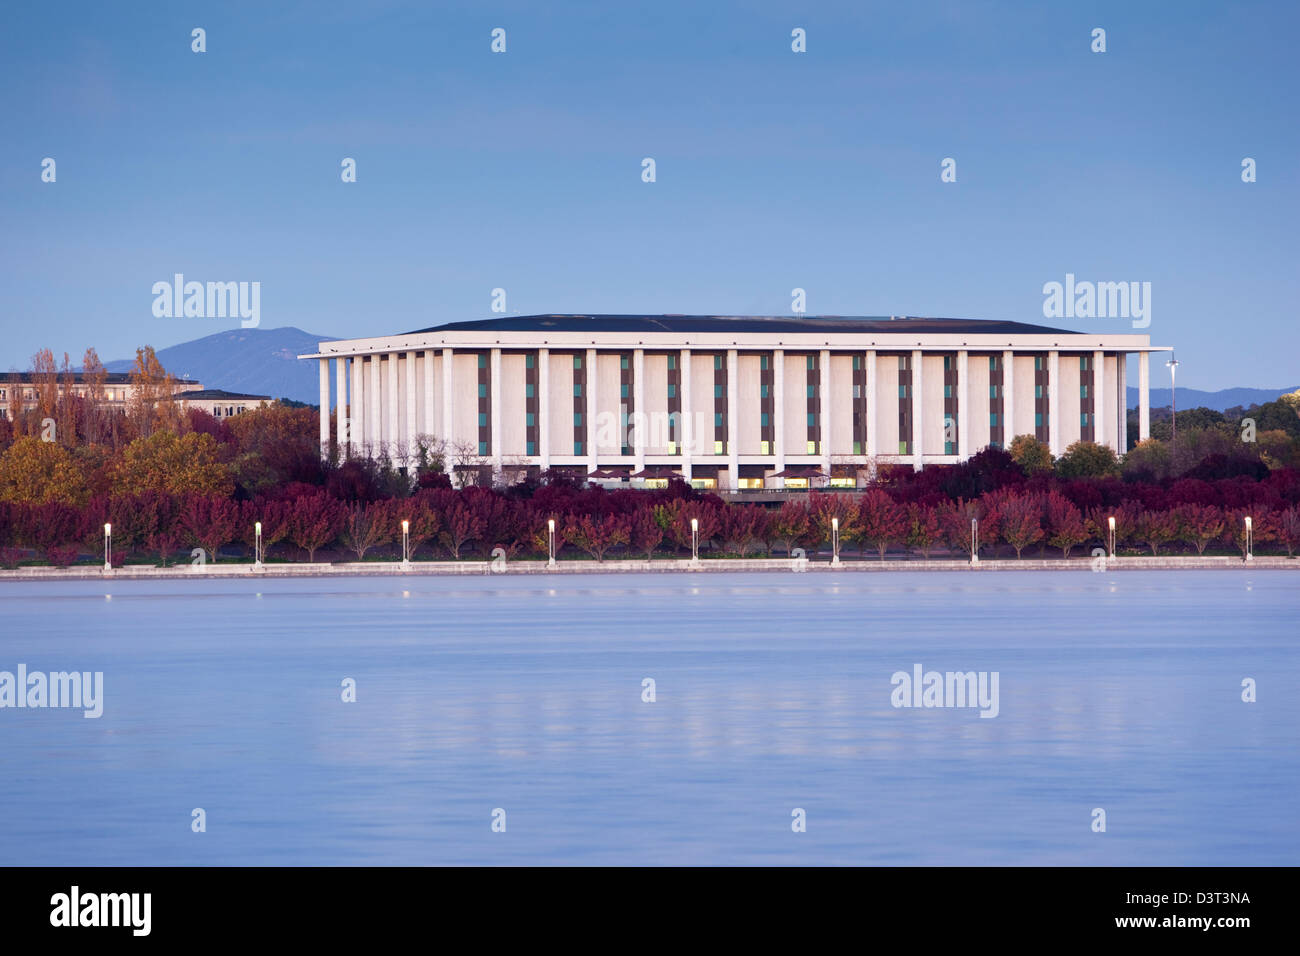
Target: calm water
point(1119, 691)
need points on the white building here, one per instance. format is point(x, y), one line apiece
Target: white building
point(726, 401)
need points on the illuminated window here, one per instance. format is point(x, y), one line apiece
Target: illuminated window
point(717, 448)
point(812, 448)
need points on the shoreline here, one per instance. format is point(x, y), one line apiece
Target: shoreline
point(665, 566)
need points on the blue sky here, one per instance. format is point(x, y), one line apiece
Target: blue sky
point(775, 170)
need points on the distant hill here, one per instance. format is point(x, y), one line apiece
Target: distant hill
point(254, 361)
point(1219, 401)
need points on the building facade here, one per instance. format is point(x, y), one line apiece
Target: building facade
point(221, 404)
point(20, 391)
point(727, 402)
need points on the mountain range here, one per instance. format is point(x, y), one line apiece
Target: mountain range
point(265, 362)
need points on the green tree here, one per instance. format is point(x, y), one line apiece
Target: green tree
point(1030, 454)
point(1087, 459)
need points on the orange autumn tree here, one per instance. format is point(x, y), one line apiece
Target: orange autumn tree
point(170, 463)
point(37, 472)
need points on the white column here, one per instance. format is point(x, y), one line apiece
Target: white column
point(376, 406)
point(963, 404)
point(592, 390)
point(733, 420)
point(393, 431)
point(918, 418)
point(1054, 401)
point(1100, 433)
point(544, 408)
point(494, 405)
point(408, 437)
point(324, 406)
point(1121, 400)
point(824, 406)
point(341, 410)
point(639, 409)
point(778, 409)
point(1144, 396)
point(873, 419)
point(357, 407)
point(427, 426)
point(689, 438)
point(1008, 398)
point(448, 396)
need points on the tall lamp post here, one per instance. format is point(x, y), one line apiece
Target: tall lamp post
point(695, 540)
point(406, 543)
point(1173, 395)
point(108, 547)
point(835, 541)
point(974, 540)
point(1250, 539)
point(550, 542)
point(257, 544)
point(1111, 522)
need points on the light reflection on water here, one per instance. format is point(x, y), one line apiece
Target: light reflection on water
point(1119, 691)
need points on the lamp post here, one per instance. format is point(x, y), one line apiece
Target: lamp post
point(1111, 522)
point(550, 542)
point(108, 547)
point(406, 543)
point(835, 541)
point(695, 541)
point(1250, 539)
point(974, 540)
point(257, 544)
point(1173, 396)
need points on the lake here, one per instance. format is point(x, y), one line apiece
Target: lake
point(1119, 691)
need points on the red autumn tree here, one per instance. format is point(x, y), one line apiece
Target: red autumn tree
point(597, 535)
point(315, 521)
point(1066, 526)
point(924, 531)
point(210, 521)
point(1198, 524)
point(880, 521)
point(1155, 529)
point(645, 534)
point(1022, 521)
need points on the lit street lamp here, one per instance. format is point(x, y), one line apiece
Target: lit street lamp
point(1250, 539)
point(1111, 521)
point(406, 543)
point(835, 541)
point(1173, 395)
point(257, 544)
point(550, 542)
point(108, 547)
point(695, 540)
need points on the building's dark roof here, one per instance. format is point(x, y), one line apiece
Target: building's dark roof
point(79, 378)
point(216, 394)
point(903, 325)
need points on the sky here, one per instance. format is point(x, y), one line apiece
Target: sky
point(774, 170)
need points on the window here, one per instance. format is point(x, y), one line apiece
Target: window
point(765, 448)
point(717, 448)
point(672, 390)
point(993, 391)
point(947, 391)
point(763, 419)
point(949, 448)
point(993, 363)
point(530, 360)
point(672, 448)
point(812, 391)
point(528, 420)
point(1038, 363)
point(812, 448)
point(1083, 363)
point(529, 391)
point(902, 391)
point(763, 362)
point(622, 361)
point(902, 448)
point(622, 391)
point(993, 420)
point(672, 363)
point(717, 391)
point(857, 362)
point(717, 420)
point(1038, 419)
point(947, 363)
point(857, 448)
point(577, 390)
point(717, 361)
point(1083, 420)
point(811, 366)
point(482, 419)
point(577, 448)
point(1038, 391)
point(482, 448)
point(482, 390)
point(1083, 391)
point(812, 419)
point(530, 448)
point(857, 391)
point(577, 419)
point(902, 363)
point(482, 361)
